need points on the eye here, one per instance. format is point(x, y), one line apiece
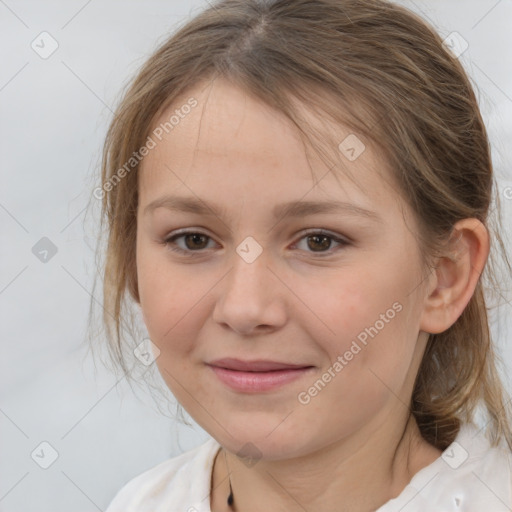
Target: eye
point(318, 241)
point(194, 242)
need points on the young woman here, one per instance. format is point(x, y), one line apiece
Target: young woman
point(297, 197)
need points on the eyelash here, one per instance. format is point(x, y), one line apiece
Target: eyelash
point(169, 242)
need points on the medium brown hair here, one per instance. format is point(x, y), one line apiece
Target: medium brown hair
point(383, 72)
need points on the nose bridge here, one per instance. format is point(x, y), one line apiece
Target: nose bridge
point(249, 271)
point(250, 295)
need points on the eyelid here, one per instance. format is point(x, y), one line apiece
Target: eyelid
point(326, 232)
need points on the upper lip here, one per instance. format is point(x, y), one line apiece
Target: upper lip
point(254, 366)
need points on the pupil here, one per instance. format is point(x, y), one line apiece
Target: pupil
point(325, 238)
point(195, 238)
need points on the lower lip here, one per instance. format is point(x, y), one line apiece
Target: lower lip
point(258, 381)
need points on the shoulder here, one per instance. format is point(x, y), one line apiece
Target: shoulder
point(470, 476)
point(477, 473)
point(182, 481)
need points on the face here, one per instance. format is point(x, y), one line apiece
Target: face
point(287, 329)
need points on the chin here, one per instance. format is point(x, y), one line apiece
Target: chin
point(262, 438)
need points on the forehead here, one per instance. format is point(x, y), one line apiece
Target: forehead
point(231, 143)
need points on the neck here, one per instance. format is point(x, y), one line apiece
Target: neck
point(360, 473)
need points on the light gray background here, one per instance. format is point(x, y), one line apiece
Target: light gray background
point(54, 114)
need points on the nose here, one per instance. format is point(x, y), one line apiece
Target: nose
point(251, 299)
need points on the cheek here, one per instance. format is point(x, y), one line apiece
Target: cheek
point(369, 319)
point(354, 301)
point(170, 308)
point(166, 297)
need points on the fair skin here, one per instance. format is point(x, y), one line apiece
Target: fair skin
point(354, 445)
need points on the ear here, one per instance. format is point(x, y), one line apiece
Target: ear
point(456, 276)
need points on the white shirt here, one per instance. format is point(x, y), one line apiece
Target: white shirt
point(470, 476)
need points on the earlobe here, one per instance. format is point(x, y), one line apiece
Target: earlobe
point(456, 276)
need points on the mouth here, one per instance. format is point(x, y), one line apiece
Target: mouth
point(256, 376)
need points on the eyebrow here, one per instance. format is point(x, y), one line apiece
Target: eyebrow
point(290, 209)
